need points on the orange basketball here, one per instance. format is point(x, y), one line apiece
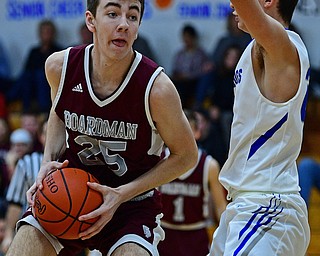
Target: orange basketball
point(66, 196)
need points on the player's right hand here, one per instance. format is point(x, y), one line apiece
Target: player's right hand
point(43, 172)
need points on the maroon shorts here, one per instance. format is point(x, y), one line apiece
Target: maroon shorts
point(136, 219)
point(184, 243)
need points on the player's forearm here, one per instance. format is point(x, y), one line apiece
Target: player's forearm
point(55, 142)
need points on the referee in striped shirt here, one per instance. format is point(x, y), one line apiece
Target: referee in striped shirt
point(23, 178)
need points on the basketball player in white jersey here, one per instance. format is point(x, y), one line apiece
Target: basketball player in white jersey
point(267, 215)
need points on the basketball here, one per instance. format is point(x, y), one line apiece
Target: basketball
point(66, 196)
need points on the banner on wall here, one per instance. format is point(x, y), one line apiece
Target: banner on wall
point(161, 25)
point(39, 9)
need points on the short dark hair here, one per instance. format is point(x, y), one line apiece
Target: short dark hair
point(190, 30)
point(93, 4)
point(286, 9)
point(45, 23)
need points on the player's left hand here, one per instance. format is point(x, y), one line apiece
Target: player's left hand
point(111, 202)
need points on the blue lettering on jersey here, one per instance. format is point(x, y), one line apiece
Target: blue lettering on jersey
point(237, 77)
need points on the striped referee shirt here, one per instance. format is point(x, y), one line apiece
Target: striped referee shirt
point(23, 178)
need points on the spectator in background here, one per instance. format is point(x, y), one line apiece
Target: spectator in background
point(20, 144)
point(187, 201)
point(31, 121)
point(4, 138)
point(5, 72)
point(32, 87)
point(4, 149)
point(211, 139)
point(309, 177)
point(5, 80)
point(234, 36)
point(215, 89)
point(142, 45)
point(188, 65)
point(86, 36)
point(222, 97)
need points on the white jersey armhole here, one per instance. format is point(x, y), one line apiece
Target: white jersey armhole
point(157, 142)
point(62, 78)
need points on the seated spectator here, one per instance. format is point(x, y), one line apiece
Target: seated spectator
point(309, 177)
point(188, 66)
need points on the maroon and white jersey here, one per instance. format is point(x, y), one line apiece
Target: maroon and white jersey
point(185, 199)
point(113, 138)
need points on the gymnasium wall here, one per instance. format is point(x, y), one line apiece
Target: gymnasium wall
point(161, 25)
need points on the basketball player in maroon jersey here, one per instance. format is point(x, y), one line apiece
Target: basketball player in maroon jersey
point(189, 204)
point(112, 111)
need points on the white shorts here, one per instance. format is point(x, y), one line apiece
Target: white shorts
point(264, 225)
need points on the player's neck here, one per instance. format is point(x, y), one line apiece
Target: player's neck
point(107, 75)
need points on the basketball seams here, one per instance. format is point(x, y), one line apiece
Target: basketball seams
point(79, 211)
point(69, 226)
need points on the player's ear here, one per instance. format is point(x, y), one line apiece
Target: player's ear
point(90, 21)
point(269, 2)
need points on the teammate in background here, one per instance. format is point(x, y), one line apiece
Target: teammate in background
point(267, 215)
point(23, 177)
point(186, 204)
point(113, 109)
